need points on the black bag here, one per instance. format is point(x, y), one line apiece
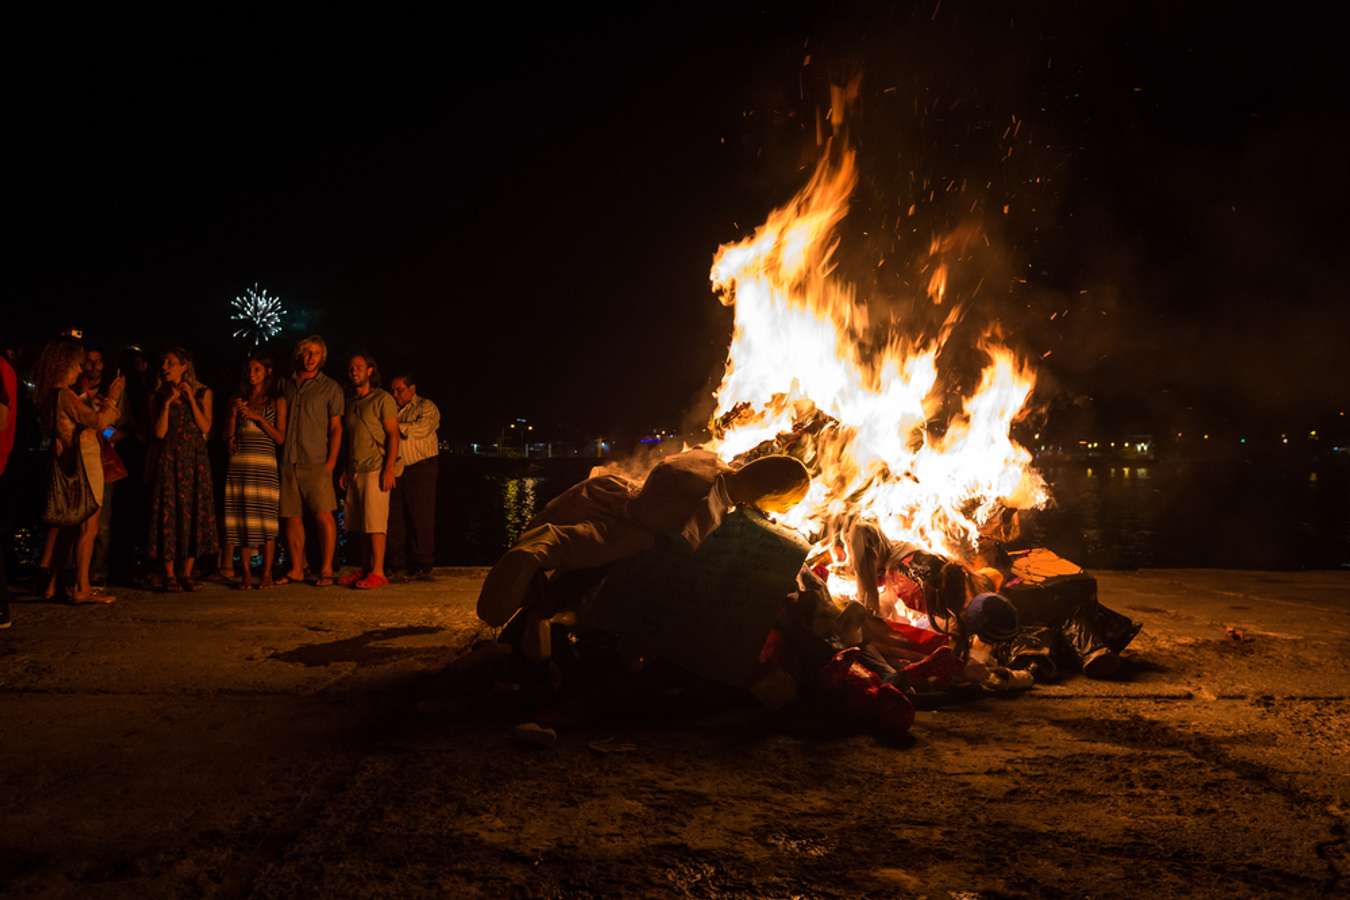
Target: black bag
point(70, 498)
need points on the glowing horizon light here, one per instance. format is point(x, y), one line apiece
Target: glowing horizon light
point(259, 313)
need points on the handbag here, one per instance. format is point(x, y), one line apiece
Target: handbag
point(113, 467)
point(70, 498)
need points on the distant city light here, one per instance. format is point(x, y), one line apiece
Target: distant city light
point(259, 313)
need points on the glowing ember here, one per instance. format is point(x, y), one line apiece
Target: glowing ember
point(807, 371)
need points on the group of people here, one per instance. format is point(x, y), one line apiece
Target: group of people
point(288, 439)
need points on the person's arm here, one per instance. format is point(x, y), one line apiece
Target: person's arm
point(424, 424)
point(162, 417)
point(336, 407)
point(334, 442)
point(231, 429)
point(390, 452)
point(276, 432)
point(111, 409)
point(84, 414)
point(201, 409)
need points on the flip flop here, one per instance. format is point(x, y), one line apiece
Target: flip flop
point(371, 581)
point(351, 578)
point(286, 579)
point(93, 597)
point(324, 581)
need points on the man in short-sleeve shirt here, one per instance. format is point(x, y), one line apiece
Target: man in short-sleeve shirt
point(371, 429)
point(314, 407)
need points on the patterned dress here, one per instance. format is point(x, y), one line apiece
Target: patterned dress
point(182, 508)
point(252, 486)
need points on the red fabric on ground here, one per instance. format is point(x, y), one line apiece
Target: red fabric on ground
point(922, 639)
point(937, 669)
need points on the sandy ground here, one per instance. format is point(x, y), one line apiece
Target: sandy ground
point(306, 742)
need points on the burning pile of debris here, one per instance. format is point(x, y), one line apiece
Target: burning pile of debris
point(688, 567)
point(840, 535)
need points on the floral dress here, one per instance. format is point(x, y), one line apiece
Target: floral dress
point(182, 504)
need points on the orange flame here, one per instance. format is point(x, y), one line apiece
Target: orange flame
point(798, 353)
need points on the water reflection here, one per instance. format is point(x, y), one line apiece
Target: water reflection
point(519, 499)
point(1197, 514)
point(1165, 514)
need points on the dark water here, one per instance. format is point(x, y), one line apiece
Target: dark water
point(1230, 514)
point(1170, 514)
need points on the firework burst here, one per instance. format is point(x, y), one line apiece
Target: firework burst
point(259, 315)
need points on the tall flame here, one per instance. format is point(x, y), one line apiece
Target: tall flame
point(807, 372)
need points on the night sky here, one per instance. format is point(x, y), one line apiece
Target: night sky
point(523, 206)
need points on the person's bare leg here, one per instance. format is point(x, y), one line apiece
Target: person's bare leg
point(295, 546)
point(328, 531)
point(45, 561)
point(227, 560)
point(377, 545)
point(84, 553)
point(61, 539)
point(187, 567)
point(49, 547)
point(246, 567)
point(269, 557)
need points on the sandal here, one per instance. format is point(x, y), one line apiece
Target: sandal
point(288, 579)
point(371, 581)
point(324, 581)
point(351, 578)
point(190, 585)
point(170, 585)
point(96, 595)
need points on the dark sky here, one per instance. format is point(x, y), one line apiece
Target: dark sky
point(523, 206)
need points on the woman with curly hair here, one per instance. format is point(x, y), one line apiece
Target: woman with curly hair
point(182, 504)
point(75, 485)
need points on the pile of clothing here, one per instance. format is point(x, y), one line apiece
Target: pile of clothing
point(686, 568)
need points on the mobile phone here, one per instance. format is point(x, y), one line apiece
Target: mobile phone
point(107, 432)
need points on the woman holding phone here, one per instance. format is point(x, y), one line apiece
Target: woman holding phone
point(75, 486)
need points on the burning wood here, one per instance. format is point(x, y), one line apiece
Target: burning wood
point(889, 575)
point(807, 374)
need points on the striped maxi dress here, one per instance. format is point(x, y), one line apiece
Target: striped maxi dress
point(252, 485)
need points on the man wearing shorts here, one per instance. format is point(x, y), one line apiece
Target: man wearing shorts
point(371, 427)
point(314, 405)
